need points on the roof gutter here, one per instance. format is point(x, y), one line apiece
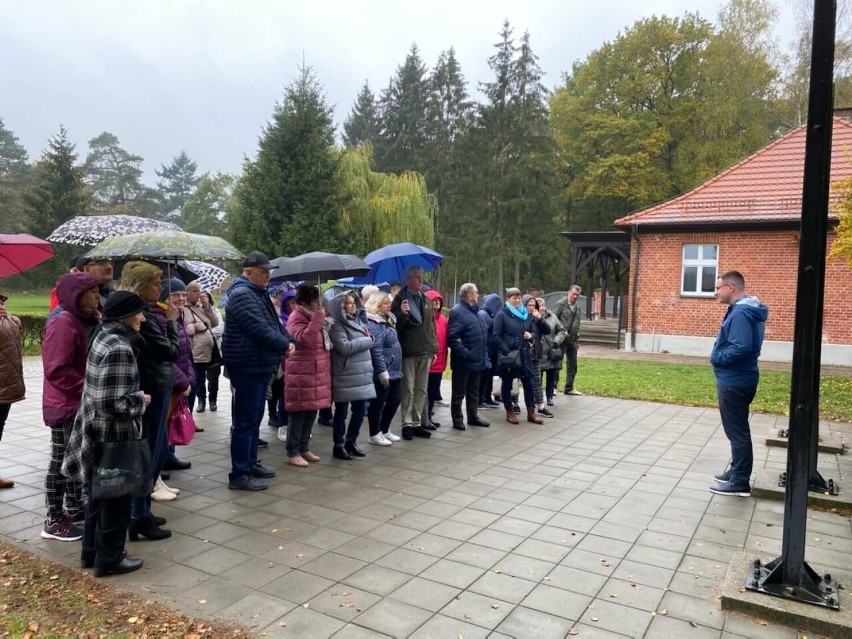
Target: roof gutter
point(634, 290)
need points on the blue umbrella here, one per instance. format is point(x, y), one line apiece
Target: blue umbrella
point(388, 263)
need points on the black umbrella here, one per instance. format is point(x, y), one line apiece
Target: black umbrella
point(318, 266)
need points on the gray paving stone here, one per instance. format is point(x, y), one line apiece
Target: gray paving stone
point(255, 610)
point(393, 618)
point(667, 627)
point(526, 622)
point(297, 586)
point(575, 580)
point(377, 579)
point(426, 594)
point(452, 573)
point(333, 566)
point(477, 609)
point(700, 611)
point(303, 622)
point(442, 626)
point(407, 561)
point(556, 601)
point(343, 602)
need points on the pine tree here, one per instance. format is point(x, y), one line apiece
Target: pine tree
point(115, 176)
point(14, 181)
point(286, 202)
point(362, 125)
point(177, 182)
point(203, 211)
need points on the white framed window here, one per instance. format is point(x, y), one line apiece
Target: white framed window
point(698, 273)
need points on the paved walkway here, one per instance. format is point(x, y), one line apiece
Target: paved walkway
point(598, 520)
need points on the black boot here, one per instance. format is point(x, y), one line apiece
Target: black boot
point(352, 449)
point(128, 564)
point(202, 405)
point(339, 452)
point(476, 420)
point(213, 406)
point(406, 433)
point(148, 529)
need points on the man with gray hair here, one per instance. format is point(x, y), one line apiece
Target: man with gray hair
point(467, 337)
point(415, 326)
point(568, 313)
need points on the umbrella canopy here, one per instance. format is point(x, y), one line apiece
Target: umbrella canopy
point(388, 263)
point(317, 266)
point(20, 252)
point(166, 245)
point(208, 275)
point(88, 230)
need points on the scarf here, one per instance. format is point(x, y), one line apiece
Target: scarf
point(521, 313)
point(326, 339)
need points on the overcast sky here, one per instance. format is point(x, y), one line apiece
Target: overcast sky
point(203, 75)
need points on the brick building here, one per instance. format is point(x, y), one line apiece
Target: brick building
point(747, 219)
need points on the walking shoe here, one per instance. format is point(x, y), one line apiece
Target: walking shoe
point(160, 493)
point(379, 440)
point(391, 437)
point(272, 422)
point(339, 452)
point(516, 408)
point(477, 421)
point(550, 402)
point(459, 426)
point(728, 488)
point(247, 482)
point(201, 405)
point(309, 456)
point(490, 402)
point(573, 392)
point(175, 464)
point(76, 516)
point(259, 470)
point(545, 413)
point(213, 406)
point(7, 483)
point(430, 426)
point(61, 529)
point(176, 491)
point(352, 449)
point(298, 460)
point(486, 406)
point(721, 478)
point(262, 443)
point(282, 433)
point(407, 435)
point(441, 402)
point(421, 432)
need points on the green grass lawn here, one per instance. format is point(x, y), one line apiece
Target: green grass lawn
point(694, 385)
point(28, 304)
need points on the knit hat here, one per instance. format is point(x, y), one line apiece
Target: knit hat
point(123, 304)
point(171, 285)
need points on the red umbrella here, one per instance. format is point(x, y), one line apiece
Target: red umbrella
point(20, 252)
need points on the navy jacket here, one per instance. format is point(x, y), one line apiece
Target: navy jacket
point(735, 353)
point(386, 351)
point(491, 305)
point(467, 337)
point(254, 339)
point(509, 332)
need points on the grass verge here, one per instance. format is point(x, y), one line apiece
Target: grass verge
point(41, 598)
point(694, 385)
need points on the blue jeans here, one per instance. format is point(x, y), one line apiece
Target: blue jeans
point(339, 431)
point(156, 428)
point(246, 413)
point(551, 376)
point(734, 402)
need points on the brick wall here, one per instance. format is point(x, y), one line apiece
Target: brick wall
point(768, 261)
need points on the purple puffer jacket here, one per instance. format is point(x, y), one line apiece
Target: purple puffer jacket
point(183, 366)
point(64, 348)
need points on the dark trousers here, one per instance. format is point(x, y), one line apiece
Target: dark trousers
point(154, 424)
point(274, 403)
point(4, 415)
point(383, 408)
point(196, 389)
point(465, 387)
point(570, 349)
point(326, 414)
point(734, 402)
point(247, 411)
point(433, 393)
point(551, 376)
point(299, 431)
point(506, 391)
point(213, 374)
point(58, 490)
point(105, 531)
point(349, 435)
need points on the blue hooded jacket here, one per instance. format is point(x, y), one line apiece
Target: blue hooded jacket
point(735, 353)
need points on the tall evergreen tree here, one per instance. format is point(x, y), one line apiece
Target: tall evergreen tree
point(362, 125)
point(177, 182)
point(14, 181)
point(203, 211)
point(115, 177)
point(404, 114)
point(286, 202)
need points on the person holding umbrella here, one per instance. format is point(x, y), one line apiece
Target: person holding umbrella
point(253, 343)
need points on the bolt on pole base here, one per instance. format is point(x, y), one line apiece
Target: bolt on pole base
point(816, 484)
point(813, 589)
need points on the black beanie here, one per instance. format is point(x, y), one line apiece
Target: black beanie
point(123, 304)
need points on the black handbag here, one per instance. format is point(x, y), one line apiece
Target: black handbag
point(122, 469)
point(555, 353)
point(215, 355)
point(512, 360)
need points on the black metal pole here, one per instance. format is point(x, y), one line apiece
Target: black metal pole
point(789, 576)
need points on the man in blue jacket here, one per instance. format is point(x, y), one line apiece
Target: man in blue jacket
point(467, 338)
point(734, 360)
point(252, 345)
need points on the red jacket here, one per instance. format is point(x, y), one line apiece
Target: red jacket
point(440, 362)
point(308, 369)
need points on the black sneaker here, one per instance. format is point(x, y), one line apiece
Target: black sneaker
point(61, 529)
point(721, 478)
point(262, 443)
point(406, 433)
point(729, 488)
point(429, 426)
point(492, 403)
point(516, 409)
point(421, 432)
point(259, 470)
point(247, 482)
point(545, 413)
point(76, 516)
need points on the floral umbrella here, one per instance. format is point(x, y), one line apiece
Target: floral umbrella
point(20, 252)
point(88, 230)
point(166, 245)
point(209, 276)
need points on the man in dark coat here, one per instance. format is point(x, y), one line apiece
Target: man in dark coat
point(568, 313)
point(252, 345)
point(467, 337)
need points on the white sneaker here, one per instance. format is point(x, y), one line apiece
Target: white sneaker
point(379, 440)
point(389, 436)
point(175, 491)
point(573, 392)
point(161, 493)
point(282, 433)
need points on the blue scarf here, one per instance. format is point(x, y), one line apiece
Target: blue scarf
point(521, 313)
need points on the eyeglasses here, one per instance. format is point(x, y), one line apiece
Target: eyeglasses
point(724, 285)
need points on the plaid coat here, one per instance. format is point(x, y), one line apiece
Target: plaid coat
point(112, 402)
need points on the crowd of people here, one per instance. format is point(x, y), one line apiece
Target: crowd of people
point(118, 364)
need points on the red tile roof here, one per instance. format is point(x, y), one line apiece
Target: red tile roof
point(765, 187)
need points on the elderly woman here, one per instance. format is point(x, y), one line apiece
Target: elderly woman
point(513, 328)
point(351, 371)
point(536, 353)
point(63, 353)
point(387, 369)
point(551, 357)
point(156, 378)
point(111, 411)
point(199, 320)
point(11, 368)
point(308, 372)
point(214, 371)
